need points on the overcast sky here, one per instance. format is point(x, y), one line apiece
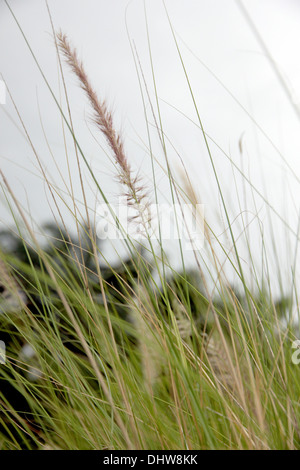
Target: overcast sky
point(212, 34)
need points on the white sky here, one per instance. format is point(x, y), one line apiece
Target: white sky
point(217, 33)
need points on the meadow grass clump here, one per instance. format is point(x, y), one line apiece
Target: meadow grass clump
point(137, 355)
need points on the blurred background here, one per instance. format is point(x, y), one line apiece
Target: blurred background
point(251, 119)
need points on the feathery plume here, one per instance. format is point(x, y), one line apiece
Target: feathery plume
point(12, 298)
point(149, 346)
point(102, 118)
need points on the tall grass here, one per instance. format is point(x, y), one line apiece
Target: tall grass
point(138, 356)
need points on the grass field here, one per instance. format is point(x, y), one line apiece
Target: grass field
point(139, 355)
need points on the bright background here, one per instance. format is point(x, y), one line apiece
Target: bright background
point(212, 34)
